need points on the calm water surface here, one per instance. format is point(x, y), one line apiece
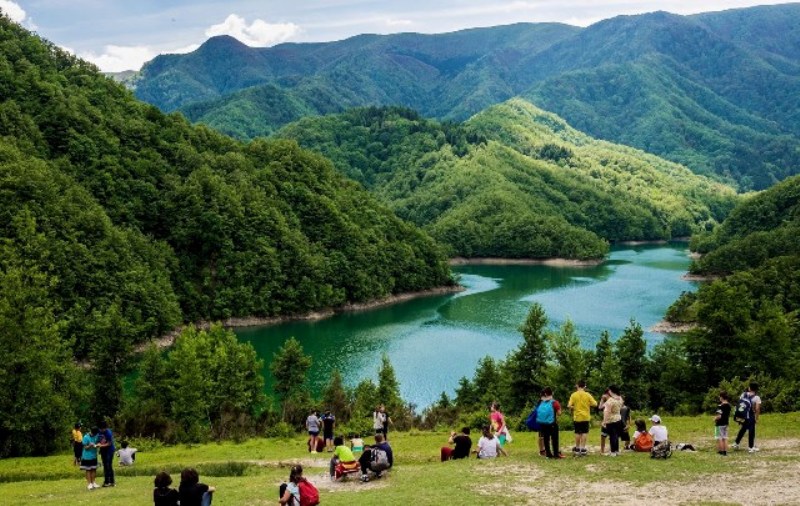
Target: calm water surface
point(434, 341)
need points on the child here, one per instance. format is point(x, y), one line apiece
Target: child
point(163, 494)
point(547, 413)
point(498, 423)
point(721, 419)
point(356, 443)
point(601, 406)
point(488, 445)
point(77, 444)
point(341, 453)
point(126, 455)
point(642, 440)
point(191, 491)
point(289, 493)
point(580, 404)
point(89, 457)
point(625, 435)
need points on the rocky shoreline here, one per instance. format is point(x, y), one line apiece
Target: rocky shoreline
point(552, 262)
point(666, 327)
point(168, 339)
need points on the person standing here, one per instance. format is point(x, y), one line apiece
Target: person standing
point(107, 450)
point(721, 419)
point(612, 418)
point(547, 415)
point(580, 404)
point(77, 444)
point(328, 426)
point(387, 420)
point(89, 457)
point(379, 419)
point(749, 423)
point(312, 424)
point(498, 423)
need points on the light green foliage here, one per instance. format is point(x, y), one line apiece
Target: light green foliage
point(513, 181)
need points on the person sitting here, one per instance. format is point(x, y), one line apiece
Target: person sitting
point(463, 444)
point(192, 492)
point(377, 458)
point(127, 455)
point(289, 493)
point(341, 455)
point(356, 443)
point(163, 494)
point(658, 431)
point(642, 440)
point(488, 445)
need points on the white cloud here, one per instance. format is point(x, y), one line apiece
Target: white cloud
point(398, 22)
point(119, 58)
point(259, 33)
point(14, 12)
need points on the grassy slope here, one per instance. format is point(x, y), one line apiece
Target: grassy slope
point(419, 478)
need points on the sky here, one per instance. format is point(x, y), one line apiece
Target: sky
point(120, 35)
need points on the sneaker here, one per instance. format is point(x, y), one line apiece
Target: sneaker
point(753, 449)
point(95, 485)
point(584, 452)
point(364, 478)
point(613, 454)
point(313, 452)
point(89, 487)
point(108, 485)
point(735, 446)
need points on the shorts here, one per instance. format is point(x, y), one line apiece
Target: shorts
point(77, 449)
point(721, 432)
point(603, 432)
point(88, 464)
point(581, 427)
point(313, 433)
point(328, 435)
point(501, 438)
point(625, 435)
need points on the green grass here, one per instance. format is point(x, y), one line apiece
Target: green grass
point(249, 473)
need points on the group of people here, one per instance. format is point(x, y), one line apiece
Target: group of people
point(190, 492)
point(99, 442)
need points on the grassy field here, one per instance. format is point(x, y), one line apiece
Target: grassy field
point(249, 473)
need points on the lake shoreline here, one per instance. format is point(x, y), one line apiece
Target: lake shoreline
point(168, 339)
point(550, 262)
point(667, 327)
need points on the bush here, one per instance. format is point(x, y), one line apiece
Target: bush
point(280, 430)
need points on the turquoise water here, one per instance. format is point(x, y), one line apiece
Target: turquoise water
point(434, 341)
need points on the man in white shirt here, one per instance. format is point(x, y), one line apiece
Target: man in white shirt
point(749, 425)
point(126, 455)
point(658, 431)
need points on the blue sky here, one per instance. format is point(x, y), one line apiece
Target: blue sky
point(120, 35)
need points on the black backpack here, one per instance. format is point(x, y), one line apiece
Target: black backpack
point(743, 410)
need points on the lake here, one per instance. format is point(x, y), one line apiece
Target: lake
point(434, 341)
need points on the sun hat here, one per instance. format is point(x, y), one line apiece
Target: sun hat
point(655, 419)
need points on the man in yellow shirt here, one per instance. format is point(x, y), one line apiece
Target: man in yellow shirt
point(580, 402)
point(77, 444)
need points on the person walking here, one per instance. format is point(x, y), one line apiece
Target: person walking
point(748, 417)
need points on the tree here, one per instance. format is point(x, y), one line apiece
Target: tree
point(289, 367)
point(111, 361)
point(605, 370)
point(570, 359)
point(525, 367)
point(389, 387)
point(190, 383)
point(334, 397)
point(632, 354)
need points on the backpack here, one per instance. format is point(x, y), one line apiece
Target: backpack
point(380, 460)
point(309, 495)
point(661, 451)
point(743, 409)
point(532, 423)
point(643, 443)
point(545, 413)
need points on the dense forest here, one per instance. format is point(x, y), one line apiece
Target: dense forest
point(118, 222)
point(715, 92)
point(513, 181)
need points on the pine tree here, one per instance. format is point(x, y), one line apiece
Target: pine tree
point(289, 367)
point(525, 367)
point(389, 389)
point(570, 360)
point(334, 398)
point(632, 354)
point(605, 369)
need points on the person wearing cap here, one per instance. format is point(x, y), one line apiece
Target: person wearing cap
point(658, 431)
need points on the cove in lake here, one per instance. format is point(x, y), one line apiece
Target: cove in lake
point(434, 341)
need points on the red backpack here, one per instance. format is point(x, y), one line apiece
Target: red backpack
point(643, 443)
point(309, 495)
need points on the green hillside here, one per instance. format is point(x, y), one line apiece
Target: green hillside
point(116, 205)
point(513, 181)
point(715, 92)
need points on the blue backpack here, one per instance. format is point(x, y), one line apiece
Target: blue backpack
point(545, 413)
point(743, 410)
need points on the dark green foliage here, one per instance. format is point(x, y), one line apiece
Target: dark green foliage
point(570, 361)
point(527, 364)
point(335, 398)
point(604, 369)
point(631, 352)
point(289, 367)
point(715, 92)
point(513, 181)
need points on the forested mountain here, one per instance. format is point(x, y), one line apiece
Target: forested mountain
point(513, 181)
point(716, 92)
point(129, 221)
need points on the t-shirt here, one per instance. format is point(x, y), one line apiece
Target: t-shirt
point(754, 401)
point(581, 402)
point(327, 423)
point(344, 453)
point(312, 422)
point(107, 436)
point(126, 456)
point(611, 411)
point(497, 419)
point(77, 436)
point(294, 490)
point(165, 497)
point(463, 446)
point(487, 448)
point(659, 433)
point(192, 495)
point(724, 412)
point(378, 419)
point(89, 453)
